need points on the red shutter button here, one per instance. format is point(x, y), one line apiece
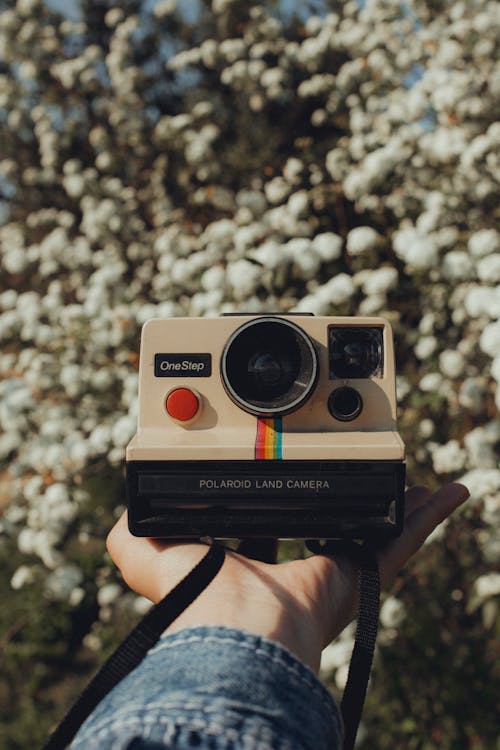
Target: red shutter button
point(182, 404)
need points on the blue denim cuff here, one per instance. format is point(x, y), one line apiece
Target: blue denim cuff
point(217, 688)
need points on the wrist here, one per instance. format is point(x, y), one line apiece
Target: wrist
point(258, 611)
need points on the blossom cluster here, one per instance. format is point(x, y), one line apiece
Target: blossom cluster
point(131, 192)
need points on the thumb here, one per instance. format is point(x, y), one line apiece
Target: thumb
point(428, 513)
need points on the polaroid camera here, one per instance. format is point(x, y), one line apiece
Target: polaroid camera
point(266, 426)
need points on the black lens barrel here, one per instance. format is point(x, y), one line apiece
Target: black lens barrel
point(269, 366)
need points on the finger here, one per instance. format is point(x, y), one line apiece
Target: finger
point(265, 550)
point(149, 566)
point(420, 522)
point(415, 497)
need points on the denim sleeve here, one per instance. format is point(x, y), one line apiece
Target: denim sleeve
point(215, 688)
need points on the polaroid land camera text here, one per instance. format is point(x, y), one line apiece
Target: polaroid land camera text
point(266, 426)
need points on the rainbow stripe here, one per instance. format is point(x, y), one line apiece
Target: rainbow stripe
point(268, 444)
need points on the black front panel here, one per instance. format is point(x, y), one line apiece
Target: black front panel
point(298, 499)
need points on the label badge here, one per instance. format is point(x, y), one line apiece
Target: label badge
point(183, 365)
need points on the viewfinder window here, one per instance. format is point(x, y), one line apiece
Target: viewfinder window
point(355, 352)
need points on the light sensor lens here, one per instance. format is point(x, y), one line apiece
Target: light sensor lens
point(345, 404)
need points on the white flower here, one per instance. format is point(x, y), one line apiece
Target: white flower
point(122, 431)
point(336, 655)
point(426, 428)
point(254, 200)
point(472, 395)
point(213, 278)
point(56, 495)
point(484, 242)
point(244, 278)
point(490, 339)
point(340, 288)
point(142, 605)
point(305, 260)
point(482, 482)
point(23, 576)
point(277, 190)
point(76, 596)
point(316, 85)
point(487, 586)
point(488, 268)
point(335, 292)
point(8, 299)
point(392, 612)
point(451, 363)
point(74, 184)
point(417, 250)
point(273, 78)
point(443, 145)
point(33, 488)
point(61, 582)
point(403, 387)
point(108, 594)
point(197, 150)
point(327, 245)
point(495, 368)
point(221, 6)
point(448, 458)
point(335, 163)
point(247, 237)
point(425, 347)
point(480, 445)
point(361, 239)
point(298, 204)
point(220, 232)
point(100, 439)
point(15, 260)
point(270, 254)
point(293, 169)
point(71, 379)
point(457, 264)
point(165, 8)
point(102, 380)
point(373, 304)
point(482, 300)
point(380, 281)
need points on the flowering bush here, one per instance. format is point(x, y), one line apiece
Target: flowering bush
point(191, 159)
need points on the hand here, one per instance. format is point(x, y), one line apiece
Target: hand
point(302, 604)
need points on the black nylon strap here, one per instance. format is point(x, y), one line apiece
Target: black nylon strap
point(360, 665)
point(364, 646)
point(133, 649)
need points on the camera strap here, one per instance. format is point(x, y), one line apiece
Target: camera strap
point(134, 648)
point(365, 636)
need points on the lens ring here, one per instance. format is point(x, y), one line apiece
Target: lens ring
point(269, 366)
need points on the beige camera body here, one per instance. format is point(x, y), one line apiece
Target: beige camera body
point(266, 426)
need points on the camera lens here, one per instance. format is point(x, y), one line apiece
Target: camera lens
point(345, 404)
point(355, 352)
point(269, 367)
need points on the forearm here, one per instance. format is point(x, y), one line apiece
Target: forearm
point(214, 687)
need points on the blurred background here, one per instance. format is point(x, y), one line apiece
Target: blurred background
point(191, 158)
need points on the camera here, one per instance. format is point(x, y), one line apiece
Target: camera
point(266, 425)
